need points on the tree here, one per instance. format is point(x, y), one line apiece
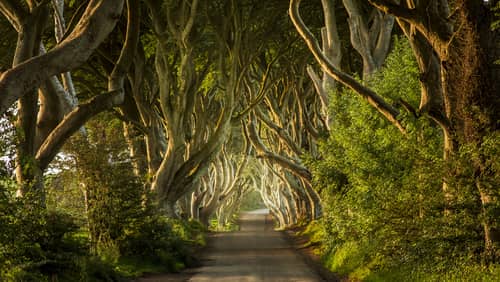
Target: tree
point(370, 34)
point(94, 25)
point(219, 187)
point(40, 138)
point(203, 63)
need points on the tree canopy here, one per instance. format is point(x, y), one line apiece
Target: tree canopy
point(375, 123)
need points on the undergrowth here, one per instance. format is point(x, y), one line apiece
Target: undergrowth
point(41, 245)
point(362, 261)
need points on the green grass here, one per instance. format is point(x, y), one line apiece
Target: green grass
point(135, 267)
point(359, 261)
point(316, 235)
point(352, 259)
point(229, 227)
point(419, 273)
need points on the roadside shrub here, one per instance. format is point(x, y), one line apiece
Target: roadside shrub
point(385, 213)
point(380, 189)
point(35, 243)
point(126, 232)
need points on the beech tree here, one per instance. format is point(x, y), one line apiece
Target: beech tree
point(370, 31)
point(33, 77)
point(219, 187)
point(286, 203)
point(195, 118)
point(97, 21)
point(187, 107)
point(370, 35)
point(289, 120)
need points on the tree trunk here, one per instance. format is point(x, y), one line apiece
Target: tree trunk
point(467, 49)
point(370, 34)
point(94, 26)
point(315, 201)
point(375, 100)
point(472, 84)
point(27, 171)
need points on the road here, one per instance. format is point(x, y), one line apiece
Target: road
point(253, 254)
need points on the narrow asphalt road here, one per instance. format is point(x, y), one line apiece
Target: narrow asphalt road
point(255, 253)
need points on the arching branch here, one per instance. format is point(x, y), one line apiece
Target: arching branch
point(389, 112)
point(96, 23)
point(77, 118)
point(13, 12)
point(263, 152)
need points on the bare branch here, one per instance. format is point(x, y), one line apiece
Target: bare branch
point(279, 131)
point(96, 23)
point(14, 12)
point(389, 112)
point(438, 31)
point(263, 152)
point(129, 48)
point(394, 9)
point(71, 123)
point(190, 22)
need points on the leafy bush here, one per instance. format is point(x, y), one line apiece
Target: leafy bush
point(382, 191)
point(35, 243)
point(113, 230)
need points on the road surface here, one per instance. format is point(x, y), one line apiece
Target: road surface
point(253, 254)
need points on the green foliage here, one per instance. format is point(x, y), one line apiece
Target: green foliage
point(470, 185)
point(316, 234)
point(461, 271)
point(127, 235)
point(252, 201)
point(496, 23)
point(353, 259)
point(399, 77)
point(382, 191)
point(165, 241)
point(230, 225)
point(191, 230)
point(7, 150)
point(64, 193)
point(35, 243)
point(149, 44)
